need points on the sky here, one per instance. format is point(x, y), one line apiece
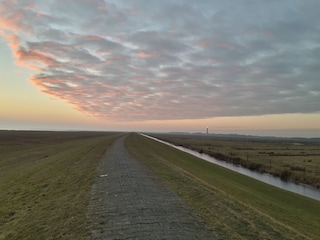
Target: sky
point(236, 66)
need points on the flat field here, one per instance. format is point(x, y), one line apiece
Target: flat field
point(45, 178)
point(233, 205)
point(290, 159)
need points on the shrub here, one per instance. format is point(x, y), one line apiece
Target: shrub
point(285, 174)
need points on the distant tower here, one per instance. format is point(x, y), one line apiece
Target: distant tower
point(207, 130)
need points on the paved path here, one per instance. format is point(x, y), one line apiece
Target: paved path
point(129, 202)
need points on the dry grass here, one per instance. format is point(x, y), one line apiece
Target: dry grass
point(44, 182)
point(233, 205)
point(297, 160)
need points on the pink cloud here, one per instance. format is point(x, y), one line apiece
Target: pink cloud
point(112, 61)
point(34, 60)
point(142, 54)
point(13, 40)
point(14, 19)
point(202, 43)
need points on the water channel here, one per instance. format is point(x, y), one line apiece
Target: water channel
point(305, 190)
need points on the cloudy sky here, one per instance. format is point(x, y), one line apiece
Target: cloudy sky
point(162, 62)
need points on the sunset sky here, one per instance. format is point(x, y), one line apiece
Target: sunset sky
point(236, 66)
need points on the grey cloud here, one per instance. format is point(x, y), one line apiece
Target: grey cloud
point(146, 60)
point(160, 42)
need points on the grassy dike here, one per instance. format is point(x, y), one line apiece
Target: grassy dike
point(45, 179)
point(233, 205)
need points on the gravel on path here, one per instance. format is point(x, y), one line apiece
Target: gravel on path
point(129, 202)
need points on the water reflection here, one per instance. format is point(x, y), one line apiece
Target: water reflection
point(301, 189)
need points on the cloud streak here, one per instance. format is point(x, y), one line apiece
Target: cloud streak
point(153, 60)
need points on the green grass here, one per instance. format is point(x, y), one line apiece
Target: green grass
point(45, 179)
point(294, 159)
point(233, 205)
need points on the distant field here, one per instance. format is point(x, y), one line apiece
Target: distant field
point(297, 160)
point(45, 178)
point(233, 205)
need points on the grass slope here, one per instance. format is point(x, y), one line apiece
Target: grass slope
point(294, 159)
point(45, 178)
point(233, 205)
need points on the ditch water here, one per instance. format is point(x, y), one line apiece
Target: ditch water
point(305, 190)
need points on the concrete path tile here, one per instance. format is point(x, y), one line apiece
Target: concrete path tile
point(129, 202)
